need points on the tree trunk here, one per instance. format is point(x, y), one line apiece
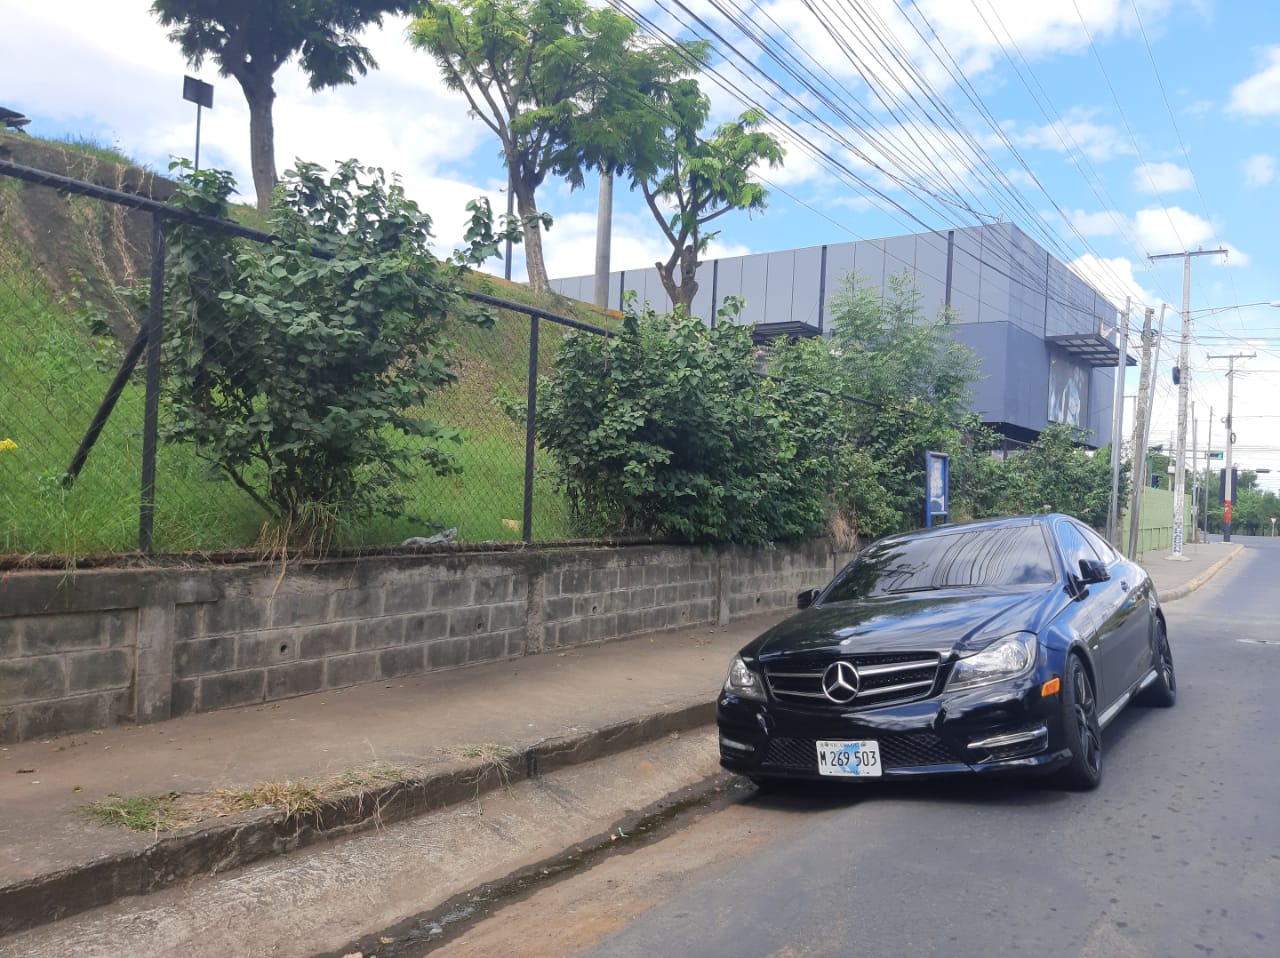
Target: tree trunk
point(262, 139)
point(533, 259)
point(681, 295)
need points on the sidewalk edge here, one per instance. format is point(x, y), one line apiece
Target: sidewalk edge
point(211, 849)
point(1187, 588)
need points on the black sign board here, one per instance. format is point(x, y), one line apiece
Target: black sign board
point(198, 92)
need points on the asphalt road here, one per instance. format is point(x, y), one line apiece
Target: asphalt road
point(1176, 853)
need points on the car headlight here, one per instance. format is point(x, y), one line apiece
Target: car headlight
point(1005, 658)
point(743, 682)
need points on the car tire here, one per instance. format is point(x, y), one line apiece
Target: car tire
point(1080, 722)
point(1163, 692)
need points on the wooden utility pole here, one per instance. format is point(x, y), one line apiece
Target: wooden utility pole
point(1117, 425)
point(1140, 430)
point(1208, 457)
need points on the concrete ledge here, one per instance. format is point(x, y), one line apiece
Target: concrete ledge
point(215, 847)
point(1187, 588)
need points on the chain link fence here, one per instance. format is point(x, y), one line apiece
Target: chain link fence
point(84, 465)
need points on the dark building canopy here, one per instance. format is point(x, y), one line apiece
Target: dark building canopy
point(1092, 349)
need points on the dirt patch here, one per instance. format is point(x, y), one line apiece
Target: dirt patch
point(82, 249)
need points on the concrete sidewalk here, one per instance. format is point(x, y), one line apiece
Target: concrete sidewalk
point(376, 753)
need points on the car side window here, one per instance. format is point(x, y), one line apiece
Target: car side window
point(1100, 545)
point(1074, 546)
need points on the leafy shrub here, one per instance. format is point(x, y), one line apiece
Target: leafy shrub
point(300, 369)
point(667, 429)
point(899, 385)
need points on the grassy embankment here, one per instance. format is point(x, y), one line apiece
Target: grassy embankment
point(53, 374)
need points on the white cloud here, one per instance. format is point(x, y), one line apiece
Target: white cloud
point(1172, 229)
point(570, 245)
point(1077, 132)
point(798, 164)
point(1104, 223)
point(1114, 278)
point(1259, 170)
point(126, 88)
point(1162, 178)
point(1259, 95)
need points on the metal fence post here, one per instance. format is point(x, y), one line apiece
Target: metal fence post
point(531, 418)
point(151, 414)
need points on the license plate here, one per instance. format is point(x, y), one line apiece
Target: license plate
point(844, 759)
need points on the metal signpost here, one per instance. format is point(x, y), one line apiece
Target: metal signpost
point(201, 94)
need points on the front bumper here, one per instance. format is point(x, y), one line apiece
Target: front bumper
point(1004, 727)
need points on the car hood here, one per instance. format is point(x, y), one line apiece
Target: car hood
point(942, 622)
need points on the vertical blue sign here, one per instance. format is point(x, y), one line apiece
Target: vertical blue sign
point(937, 487)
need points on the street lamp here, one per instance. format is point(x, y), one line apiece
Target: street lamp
point(1210, 310)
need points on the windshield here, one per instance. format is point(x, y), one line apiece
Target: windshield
point(975, 558)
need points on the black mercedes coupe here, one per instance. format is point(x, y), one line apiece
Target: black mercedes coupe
point(997, 646)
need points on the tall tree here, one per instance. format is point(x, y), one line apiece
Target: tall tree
point(566, 88)
point(700, 180)
point(251, 39)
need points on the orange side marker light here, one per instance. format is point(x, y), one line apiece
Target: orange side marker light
point(1051, 687)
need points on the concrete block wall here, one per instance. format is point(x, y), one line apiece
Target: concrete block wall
point(88, 650)
point(764, 580)
point(607, 594)
point(98, 647)
point(343, 623)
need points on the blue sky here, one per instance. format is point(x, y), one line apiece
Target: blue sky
point(1108, 130)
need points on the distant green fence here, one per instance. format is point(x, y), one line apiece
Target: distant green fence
point(1155, 521)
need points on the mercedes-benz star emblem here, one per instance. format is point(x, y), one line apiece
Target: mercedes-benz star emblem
point(840, 682)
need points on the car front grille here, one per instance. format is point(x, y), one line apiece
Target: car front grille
point(886, 679)
point(897, 750)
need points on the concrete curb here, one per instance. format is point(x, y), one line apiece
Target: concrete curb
point(1179, 592)
point(209, 849)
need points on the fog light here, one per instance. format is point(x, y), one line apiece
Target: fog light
point(736, 746)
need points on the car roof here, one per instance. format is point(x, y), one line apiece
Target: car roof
point(1000, 522)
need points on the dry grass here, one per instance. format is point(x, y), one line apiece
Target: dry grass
point(494, 759)
point(165, 813)
point(843, 533)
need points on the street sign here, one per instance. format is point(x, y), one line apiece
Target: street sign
point(198, 92)
point(937, 487)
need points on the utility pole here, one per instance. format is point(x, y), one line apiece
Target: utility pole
point(1195, 477)
point(1207, 454)
point(1184, 383)
point(1117, 425)
point(1231, 438)
point(1140, 429)
point(604, 237)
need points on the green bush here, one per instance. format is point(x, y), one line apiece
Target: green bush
point(668, 430)
point(300, 369)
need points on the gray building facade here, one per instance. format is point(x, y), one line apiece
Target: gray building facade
point(1045, 338)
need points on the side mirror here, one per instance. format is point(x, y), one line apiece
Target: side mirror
point(1093, 570)
point(807, 598)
